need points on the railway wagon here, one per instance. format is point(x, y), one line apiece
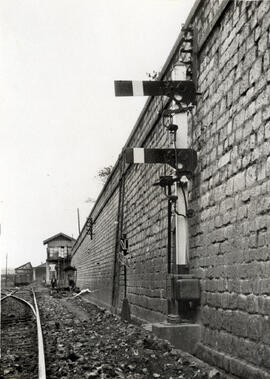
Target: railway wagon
point(23, 274)
point(23, 279)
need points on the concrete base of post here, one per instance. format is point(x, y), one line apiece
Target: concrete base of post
point(183, 336)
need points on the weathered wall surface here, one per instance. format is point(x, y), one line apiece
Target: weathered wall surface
point(94, 258)
point(230, 232)
point(146, 228)
point(144, 222)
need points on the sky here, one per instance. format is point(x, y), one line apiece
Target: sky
point(59, 119)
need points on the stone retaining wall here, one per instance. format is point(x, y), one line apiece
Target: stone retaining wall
point(229, 234)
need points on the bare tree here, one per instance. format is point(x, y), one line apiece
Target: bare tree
point(104, 173)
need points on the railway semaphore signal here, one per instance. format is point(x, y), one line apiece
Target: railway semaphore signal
point(184, 160)
point(182, 91)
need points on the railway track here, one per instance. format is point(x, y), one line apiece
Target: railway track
point(22, 350)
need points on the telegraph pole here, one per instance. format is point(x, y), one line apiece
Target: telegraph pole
point(6, 269)
point(79, 223)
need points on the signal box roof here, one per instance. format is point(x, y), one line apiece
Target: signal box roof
point(56, 236)
point(26, 266)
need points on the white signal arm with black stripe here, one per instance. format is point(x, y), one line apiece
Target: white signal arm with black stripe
point(184, 159)
point(180, 88)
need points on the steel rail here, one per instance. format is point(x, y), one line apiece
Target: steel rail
point(25, 302)
point(8, 295)
point(5, 296)
point(41, 354)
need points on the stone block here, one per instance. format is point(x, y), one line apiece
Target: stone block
point(255, 327)
point(182, 336)
point(255, 71)
point(239, 181)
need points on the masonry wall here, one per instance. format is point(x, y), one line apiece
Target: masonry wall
point(230, 231)
point(146, 228)
point(94, 258)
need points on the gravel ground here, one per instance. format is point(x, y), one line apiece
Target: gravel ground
point(18, 340)
point(83, 341)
